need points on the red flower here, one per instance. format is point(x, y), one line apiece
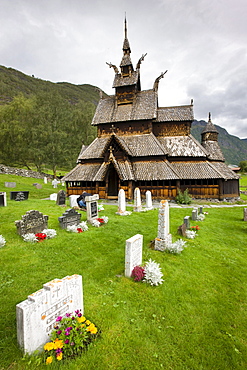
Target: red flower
point(79, 230)
point(101, 220)
point(40, 236)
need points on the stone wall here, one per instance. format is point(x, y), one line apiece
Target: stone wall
point(21, 172)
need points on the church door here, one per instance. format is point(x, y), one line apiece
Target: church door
point(112, 182)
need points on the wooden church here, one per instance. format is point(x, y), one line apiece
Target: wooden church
point(140, 144)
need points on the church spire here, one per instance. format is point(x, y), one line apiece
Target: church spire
point(126, 63)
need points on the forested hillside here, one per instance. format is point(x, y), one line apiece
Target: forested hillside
point(44, 123)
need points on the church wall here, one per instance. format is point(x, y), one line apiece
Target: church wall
point(125, 128)
point(171, 128)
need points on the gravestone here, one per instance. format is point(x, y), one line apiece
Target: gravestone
point(187, 221)
point(3, 199)
point(69, 218)
point(200, 210)
point(92, 207)
point(121, 202)
point(149, 204)
point(10, 184)
point(45, 180)
point(54, 183)
point(38, 186)
point(37, 315)
point(133, 253)
point(32, 222)
point(164, 238)
point(19, 195)
point(245, 214)
point(53, 196)
point(194, 214)
point(137, 200)
point(182, 230)
point(72, 200)
point(61, 198)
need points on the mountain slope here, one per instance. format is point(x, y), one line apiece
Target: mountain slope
point(233, 148)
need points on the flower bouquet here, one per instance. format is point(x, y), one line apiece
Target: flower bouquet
point(100, 221)
point(2, 241)
point(71, 335)
point(150, 273)
point(82, 226)
point(46, 234)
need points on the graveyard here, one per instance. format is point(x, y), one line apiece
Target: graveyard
point(195, 319)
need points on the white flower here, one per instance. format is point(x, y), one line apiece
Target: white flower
point(177, 247)
point(100, 207)
point(29, 237)
point(95, 223)
point(72, 228)
point(50, 233)
point(152, 272)
point(190, 234)
point(200, 217)
point(105, 218)
point(83, 225)
point(2, 241)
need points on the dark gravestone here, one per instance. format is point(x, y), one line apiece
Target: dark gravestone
point(32, 222)
point(187, 221)
point(3, 199)
point(69, 218)
point(94, 209)
point(19, 195)
point(61, 198)
point(245, 214)
point(182, 230)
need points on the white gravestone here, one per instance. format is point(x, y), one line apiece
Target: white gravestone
point(45, 180)
point(53, 196)
point(54, 183)
point(194, 214)
point(149, 204)
point(72, 201)
point(164, 238)
point(36, 316)
point(92, 207)
point(121, 203)
point(3, 199)
point(137, 200)
point(133, 253)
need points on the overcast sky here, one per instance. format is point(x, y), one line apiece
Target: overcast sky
point(202, 44)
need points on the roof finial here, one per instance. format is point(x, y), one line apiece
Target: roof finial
point(125, 27)
point(209, 117)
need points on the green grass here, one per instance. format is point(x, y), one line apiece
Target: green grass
point(195, 320)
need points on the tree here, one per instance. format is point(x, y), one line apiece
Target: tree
point(243, 166)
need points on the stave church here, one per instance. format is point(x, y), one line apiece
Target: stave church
point(140, 144)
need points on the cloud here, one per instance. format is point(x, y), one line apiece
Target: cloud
point(201, 43)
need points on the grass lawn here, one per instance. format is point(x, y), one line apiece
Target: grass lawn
point(197, 319)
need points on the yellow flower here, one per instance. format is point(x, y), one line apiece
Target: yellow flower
point(88, 322)
point(58, 343)
point(92, 328)
point(59, 357)
point(49, 346)
point(49, 360)
point(81, 319)
point(82, 325)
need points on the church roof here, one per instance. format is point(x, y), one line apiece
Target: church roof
point(180, 113)
point(119, 80)
point(182, 146)
point(214, 150)
point(150, 171)
point(142, 145)
point(144, 107)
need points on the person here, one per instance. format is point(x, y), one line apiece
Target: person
point(81, 199)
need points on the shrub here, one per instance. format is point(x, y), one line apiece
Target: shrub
point(183, 198)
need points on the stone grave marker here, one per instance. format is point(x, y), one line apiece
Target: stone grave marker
point(187, 221)
point(245, 214)
point(10, 184)
point(37, 315)
point(149, 204)
point(200, 210)
point(32, 222)
point(72, 200)
point(182, 230)
point(92, 207)
point(3, 199)
point(61, 198)
point(133, 253)
point(137, 200)
point(121, 202)
point(194, 214)
point(69, 218)
point(53, 196)
point(45, 180)
point(164, 238)
point(19, 195)
point(54, 183)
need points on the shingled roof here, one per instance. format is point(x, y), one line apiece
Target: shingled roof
point(150, 170)
point(142, 145)
point(182, 146)
point(181, 113)
point(143, 107)
point(214, 151)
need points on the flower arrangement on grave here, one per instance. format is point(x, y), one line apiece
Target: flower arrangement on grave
point(190, 234)
point(201, 217)
point(97, 222)
point(82, 226)
point(2, 241)
point(177, 247)
point(150, 273)
point(72, 334)
point(195, 228)
point(46, 234)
